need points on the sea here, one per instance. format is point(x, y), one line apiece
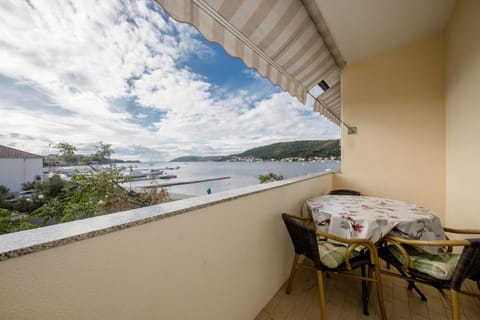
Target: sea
point(241, 174)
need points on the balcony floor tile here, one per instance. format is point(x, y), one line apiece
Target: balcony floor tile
point(343, 299)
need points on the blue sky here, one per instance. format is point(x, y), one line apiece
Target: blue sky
point(125, 73)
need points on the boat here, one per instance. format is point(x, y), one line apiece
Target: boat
point(156, 171)
point(135, 174)
point(162, 175)
point(167, 176)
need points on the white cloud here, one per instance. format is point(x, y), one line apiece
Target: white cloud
point(79, 59)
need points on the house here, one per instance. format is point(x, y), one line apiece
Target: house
point(17, 167)
point(408, 82)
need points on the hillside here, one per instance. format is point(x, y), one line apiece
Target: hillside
point(277, 151)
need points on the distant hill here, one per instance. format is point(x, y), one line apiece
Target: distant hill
point(277, 151)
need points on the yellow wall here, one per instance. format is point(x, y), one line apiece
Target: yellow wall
point(463, 115)
point(396, 100)
point(225, 261)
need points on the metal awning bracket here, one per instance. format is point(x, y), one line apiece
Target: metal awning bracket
point(351, 130)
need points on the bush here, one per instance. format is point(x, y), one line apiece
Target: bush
point(3, 190)
point(30, 185)
point(12, 222)
point(270, 177)
point(51, 187)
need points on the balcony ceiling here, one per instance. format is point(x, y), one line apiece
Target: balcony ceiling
point(368, 27)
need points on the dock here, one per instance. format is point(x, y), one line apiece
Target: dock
point(177, 183)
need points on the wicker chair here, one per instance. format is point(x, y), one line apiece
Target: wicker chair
point(304, 237)
point(344, 192)
point(467, 267)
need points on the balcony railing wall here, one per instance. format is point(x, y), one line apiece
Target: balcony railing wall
point(221, 261)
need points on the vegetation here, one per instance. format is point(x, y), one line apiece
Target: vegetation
point(10, 221)
point(67, 153)
point(85, 195)
point(56, 201)
point(303, 149)
point(282, 150)
point(270, 177)
point(104, 151)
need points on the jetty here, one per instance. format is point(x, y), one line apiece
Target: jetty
point(177, 183)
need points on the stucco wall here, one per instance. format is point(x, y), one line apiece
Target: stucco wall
point(225, 261)
point(14, 172)
point(396, 100)
point(463, 115)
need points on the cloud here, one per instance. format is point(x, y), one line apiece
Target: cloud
point(117, 71)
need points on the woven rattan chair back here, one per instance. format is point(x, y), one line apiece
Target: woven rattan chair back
point(344, 192)
point(468, 265)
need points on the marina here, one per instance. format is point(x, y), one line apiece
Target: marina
point(196, 178)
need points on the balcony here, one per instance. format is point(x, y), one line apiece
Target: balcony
point(227, 256)
point(223, 256)
point(220, 256)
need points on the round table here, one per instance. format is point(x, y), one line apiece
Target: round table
point(373, 218)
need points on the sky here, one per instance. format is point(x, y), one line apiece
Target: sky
point(125, 73)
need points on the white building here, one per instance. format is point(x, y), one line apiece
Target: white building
point(17, 167)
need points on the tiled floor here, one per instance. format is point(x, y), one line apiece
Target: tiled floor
point(343, 299)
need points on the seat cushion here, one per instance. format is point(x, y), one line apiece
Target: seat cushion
point(439, 266)
point(333, 255)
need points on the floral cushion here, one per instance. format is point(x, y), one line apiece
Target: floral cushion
point(333, 255)
point(439, 266)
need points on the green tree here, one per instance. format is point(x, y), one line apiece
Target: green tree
point(67, 151)
point(104, 151)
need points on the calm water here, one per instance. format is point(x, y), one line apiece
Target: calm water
point(242, 173)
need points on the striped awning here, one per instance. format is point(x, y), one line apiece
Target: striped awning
point(329, 103)
point(286, 41)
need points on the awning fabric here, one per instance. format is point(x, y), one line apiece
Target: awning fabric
point(329, 103)
point(286, 41)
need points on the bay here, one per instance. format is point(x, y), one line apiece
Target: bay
point(242, 174)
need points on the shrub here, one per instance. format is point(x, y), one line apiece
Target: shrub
point(3, 189)
point(270, 177)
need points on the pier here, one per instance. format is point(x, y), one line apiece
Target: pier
point(177, 183)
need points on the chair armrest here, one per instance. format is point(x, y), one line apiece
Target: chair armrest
point(309, 219)
point(462, 231)
point(432, 243)
point(352, 244)
point(398, 241)
point(459, 231)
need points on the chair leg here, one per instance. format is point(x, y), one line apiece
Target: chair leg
point(292, 273)
point(323, 311)
point(364, 292)
point(455, 307)
point(369, 284)
point(412, 285)
point(381, 304)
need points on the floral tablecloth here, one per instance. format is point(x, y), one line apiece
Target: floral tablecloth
point(372, 218)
